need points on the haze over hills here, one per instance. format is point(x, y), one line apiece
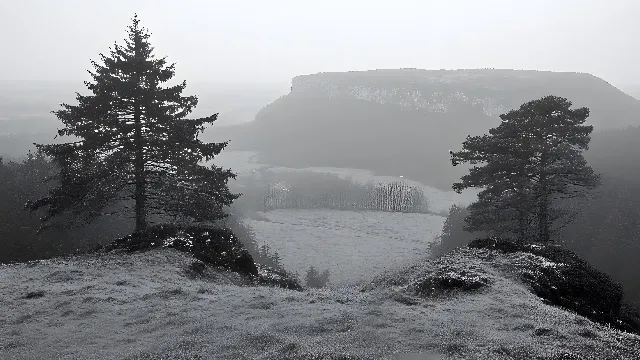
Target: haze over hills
point(633, 90)
point(329, 228)
point(25, 107)
point(389, 121)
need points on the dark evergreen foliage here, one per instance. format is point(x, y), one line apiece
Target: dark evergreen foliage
point(315, 279)
point(440, 284)
point(213, 246)
point(277, 277)
point(262, 254)
point(133, 143)
point(23, 180)
point(530, 161)
point(453, 234)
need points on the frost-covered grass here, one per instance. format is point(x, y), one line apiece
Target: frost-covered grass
point(352, 245)
point(144, 306)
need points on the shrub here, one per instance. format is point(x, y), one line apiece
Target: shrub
point(447, 280)
point(244, 233)
point(211, 245)
point(34, 294)
point(276, 277)
point(316, 280)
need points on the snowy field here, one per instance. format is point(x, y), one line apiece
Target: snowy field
point(352, 245)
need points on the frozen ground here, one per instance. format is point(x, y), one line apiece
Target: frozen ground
point(144, 306)
point(352, 245)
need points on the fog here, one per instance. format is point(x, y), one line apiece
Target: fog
point(338, 206)
point(260, 42)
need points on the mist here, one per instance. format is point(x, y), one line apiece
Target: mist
point(338, 179)
point(255, 42)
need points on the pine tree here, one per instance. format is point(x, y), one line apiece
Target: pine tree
point(311, 278)
point(133, 143)
point(530, 161)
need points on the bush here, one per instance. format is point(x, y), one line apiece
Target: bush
point(34, 294)
point(506, 246)
point(262, 254)
point(213, 246)
point(316, 280)
point(447, 280)
point(276, 277)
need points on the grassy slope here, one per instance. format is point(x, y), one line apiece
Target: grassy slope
point(143, 306)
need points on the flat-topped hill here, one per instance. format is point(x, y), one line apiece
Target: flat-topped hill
point(402, 122)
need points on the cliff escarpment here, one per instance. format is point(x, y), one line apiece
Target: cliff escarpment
point(402, 122)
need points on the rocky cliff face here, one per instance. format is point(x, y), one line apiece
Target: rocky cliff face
point(494, 91)
point(409, 95)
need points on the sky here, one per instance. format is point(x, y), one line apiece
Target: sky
point(271, 41)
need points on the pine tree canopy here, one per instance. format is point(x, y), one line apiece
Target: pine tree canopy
point(525, 166)
point(132, 143)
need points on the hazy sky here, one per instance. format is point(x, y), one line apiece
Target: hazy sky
point(274, 40)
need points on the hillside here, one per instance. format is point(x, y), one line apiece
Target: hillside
point(147, 306)
point(402, 122)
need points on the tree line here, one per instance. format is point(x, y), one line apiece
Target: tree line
point(332, 192)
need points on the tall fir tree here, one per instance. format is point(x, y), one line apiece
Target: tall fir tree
point(133, 143)
point(531, 161)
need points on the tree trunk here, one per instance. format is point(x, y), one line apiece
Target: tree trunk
point(140, 193)
point(543, 201)
point(544, 215)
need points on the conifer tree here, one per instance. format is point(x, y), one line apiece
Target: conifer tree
point(530, 161)
point(133, 143)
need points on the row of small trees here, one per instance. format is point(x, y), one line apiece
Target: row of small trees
point(345, 194)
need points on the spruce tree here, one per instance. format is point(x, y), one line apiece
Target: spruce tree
point(530, 161)
point(133, 143)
